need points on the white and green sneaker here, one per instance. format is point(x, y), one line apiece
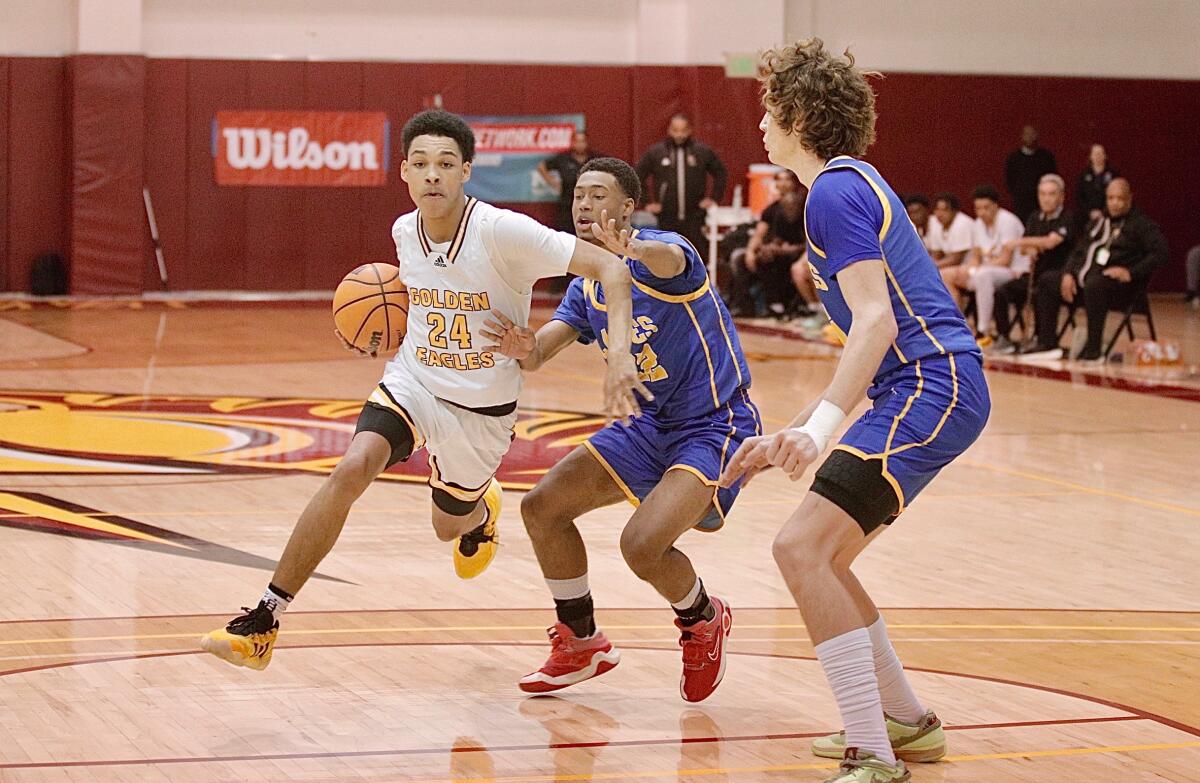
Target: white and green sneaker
point(863, 767)
point(916, 743)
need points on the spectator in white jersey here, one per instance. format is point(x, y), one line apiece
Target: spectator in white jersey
point(948, 234)
point(991, 262)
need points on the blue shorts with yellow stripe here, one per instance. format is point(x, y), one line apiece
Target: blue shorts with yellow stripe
point(637, 456)
point(925, 414)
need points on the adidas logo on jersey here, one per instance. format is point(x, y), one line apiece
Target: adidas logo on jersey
point(437, 259)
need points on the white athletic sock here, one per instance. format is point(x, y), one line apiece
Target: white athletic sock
point(895, 693)
point(568, 589)
point(277, 602)
point(688, 600)
point(850, 669)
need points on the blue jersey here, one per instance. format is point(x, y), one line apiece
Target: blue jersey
point(687, 351)
point(853, 215)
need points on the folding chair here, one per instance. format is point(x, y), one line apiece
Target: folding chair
point(1138, 305)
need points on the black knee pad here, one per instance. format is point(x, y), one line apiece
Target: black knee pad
point(858, 487)
point(386, 422)
point(452, 505)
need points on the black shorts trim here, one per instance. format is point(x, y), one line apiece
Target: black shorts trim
point(452, 505)
point(391, 425)
point(495, 411)
point(858, 487)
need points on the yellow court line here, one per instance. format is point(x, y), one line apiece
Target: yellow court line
point(795, 501)
point(208, 513)
point(673, 773)
point(657, 627)
point(393, 510)
point(1084, 488)
point(1060, 483)
point(667, 641)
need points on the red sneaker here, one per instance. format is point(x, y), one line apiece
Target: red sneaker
point(704, 653)
point(572, 660)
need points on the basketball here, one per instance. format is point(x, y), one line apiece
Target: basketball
point(370, 308)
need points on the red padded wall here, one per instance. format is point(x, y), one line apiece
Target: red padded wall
point(935, 132)
point(3, 173)
point(166, 167)
point(108, 229)
point(940, 132)
point(36, 198)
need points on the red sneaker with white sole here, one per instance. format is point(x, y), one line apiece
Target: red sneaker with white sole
point(704, 653)
point(572, 660)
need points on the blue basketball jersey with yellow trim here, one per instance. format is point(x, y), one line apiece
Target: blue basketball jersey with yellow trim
point(687, 351)
point(853, 215)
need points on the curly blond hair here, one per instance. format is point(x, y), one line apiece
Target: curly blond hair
point(824, 98)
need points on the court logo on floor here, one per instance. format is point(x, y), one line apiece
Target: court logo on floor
point(45, 514)
point(90, 434)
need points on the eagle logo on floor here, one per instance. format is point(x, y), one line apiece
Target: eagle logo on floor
point(76, 434)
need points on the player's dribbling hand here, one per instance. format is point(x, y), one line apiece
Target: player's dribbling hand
point(620, 383)
point(515, 342)
point(352, 348)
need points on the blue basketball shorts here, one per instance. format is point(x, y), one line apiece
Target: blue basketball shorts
point(637, 456)
point(925, 414)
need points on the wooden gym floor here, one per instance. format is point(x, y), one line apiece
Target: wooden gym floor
point(1044, 591)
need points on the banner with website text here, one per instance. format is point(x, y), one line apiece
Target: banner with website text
point(508, 151)
point(305, 148)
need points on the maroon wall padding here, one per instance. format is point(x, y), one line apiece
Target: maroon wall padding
point(939, 132)
point(36, 199)
point(165, 167)
point(108, 230)
point(3, 173)
point(936, 132)
point(216, 217)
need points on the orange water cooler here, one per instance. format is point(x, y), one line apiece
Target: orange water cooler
point(762, 186)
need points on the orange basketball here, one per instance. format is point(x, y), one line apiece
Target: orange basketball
point(370, 308)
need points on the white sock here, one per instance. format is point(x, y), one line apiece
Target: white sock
point(276, 602)
point(895, 693)
point(567, 589)
point(688, 600)
point(850, 669)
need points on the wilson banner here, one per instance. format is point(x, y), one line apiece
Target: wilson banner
point(301, 148)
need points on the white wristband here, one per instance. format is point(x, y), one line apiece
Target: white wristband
point(823, 422)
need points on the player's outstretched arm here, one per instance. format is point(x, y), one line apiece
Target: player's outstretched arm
point(531, 349)
point(664, 260)
point(621, 385)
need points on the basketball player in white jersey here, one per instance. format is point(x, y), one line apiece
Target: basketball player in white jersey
point(444, 391)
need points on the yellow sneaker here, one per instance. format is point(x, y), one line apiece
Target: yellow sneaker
point(862, 767)
point(915, 743)
point(246, 641)
point(477, 548)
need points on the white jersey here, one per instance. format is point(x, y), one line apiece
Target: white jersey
point(1007, 227)
point(491, 263)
